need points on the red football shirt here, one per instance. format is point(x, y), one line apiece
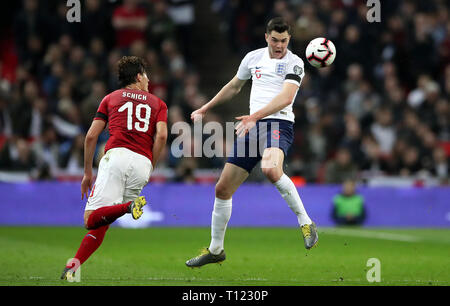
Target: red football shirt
point(132, 116)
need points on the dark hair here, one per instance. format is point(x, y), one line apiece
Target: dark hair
point(277, 24)
point(128, 69)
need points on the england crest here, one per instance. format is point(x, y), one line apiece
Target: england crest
point(280, 68)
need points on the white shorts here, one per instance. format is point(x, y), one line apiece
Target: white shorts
point(121, 176)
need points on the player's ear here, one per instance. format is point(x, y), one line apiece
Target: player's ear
point(267, 37)
point(138, 78)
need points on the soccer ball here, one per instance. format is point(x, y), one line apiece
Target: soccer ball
point(320, 52)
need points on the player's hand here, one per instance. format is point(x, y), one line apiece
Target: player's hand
point(198, 114)
point(246, 124)
point(86, 185)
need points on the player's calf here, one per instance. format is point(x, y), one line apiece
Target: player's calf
point(108, 214)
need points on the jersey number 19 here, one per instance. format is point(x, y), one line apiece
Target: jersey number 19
point(142, 125)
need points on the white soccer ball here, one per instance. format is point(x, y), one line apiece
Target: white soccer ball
point(320, 52)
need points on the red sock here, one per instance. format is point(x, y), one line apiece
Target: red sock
point(106, 215)
point(89, 244)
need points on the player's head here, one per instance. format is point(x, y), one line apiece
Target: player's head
point(132, 71)
point(277, 37)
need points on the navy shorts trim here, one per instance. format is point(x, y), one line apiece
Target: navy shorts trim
point(267, 133)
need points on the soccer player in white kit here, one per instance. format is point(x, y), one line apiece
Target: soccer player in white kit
point(276, 75)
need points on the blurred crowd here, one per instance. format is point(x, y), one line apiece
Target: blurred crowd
point(57, 72)
point(381, 108)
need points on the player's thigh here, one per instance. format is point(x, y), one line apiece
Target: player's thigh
point(137, 178)
point(272, 163)
point(109, 185)
point(231, 178)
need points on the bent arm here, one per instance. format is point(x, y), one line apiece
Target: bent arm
point(160, 140)
point(90, 143)
point(283, 99)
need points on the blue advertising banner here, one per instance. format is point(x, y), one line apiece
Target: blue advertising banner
point(60, 204)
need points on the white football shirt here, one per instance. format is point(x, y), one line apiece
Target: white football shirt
point(268, 75)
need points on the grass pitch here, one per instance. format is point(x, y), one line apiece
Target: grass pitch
point(255, 257)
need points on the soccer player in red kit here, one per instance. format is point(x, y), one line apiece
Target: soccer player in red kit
point(138, 133)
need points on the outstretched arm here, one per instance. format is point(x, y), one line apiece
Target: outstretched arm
point(231, 89)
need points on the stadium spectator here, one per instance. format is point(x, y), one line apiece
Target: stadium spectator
point(47, 152)
point(341, 168)
point(22, 110)
point(383, 130)
point(72, 156)
point(29, 23)
point(353, 139)
point(182, 13)
point(348, 206)
point(417, 95)
point(89, 104)
point(184, 171)
point(17, 155)
point(129, 20)
point(5, 119)
point(426, 109)
point(96, 23)
point(351, 49)
point(160, 25)
point(440, 166)
point(410, 162)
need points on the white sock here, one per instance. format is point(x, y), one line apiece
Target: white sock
point(219, 220)
point(290, 194)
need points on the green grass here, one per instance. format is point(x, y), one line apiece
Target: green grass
point(255, 257)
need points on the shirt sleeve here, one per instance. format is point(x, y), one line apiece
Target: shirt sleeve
point(244, 72)
point(162, 114)
point(102, 111)
point(295, 72)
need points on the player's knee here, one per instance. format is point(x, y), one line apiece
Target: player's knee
point(86, 225)
point(272, 174)
point(86, 221)
point(223, 192)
